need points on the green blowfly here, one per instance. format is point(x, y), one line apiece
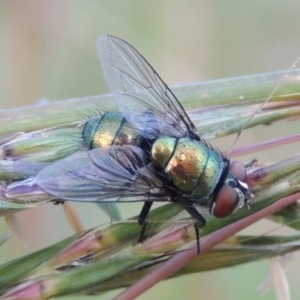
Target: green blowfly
point(149, 151)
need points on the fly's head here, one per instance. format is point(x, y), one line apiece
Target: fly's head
point(234, 192)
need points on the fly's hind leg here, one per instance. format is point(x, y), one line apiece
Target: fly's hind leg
point(142, 220)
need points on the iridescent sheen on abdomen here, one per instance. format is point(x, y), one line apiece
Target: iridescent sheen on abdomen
point(109, 129)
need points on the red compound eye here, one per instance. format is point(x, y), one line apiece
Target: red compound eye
point(238, 170)
point(226, 202)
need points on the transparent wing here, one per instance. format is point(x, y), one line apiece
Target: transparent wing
point(117, 173)
point(140, 93)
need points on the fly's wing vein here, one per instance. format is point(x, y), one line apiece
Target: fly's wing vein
point(140, 92)
point(116, 173)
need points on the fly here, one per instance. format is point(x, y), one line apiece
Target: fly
point(149, 151)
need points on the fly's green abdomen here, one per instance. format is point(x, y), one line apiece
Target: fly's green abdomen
point(109, 129)
point(192, 166)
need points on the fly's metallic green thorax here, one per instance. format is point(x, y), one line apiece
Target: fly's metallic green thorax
point(192, 166)
point(109, 129)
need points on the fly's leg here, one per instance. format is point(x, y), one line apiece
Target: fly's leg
point(198, 224)
point(142, 220)
point(57, 202)
point(251, 163)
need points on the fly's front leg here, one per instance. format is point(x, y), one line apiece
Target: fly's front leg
point(142, 220)
point(200, 222)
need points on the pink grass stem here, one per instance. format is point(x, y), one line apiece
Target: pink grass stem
point(265, 145)
point(181, 259)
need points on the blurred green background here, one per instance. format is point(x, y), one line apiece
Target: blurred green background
point(48, 52)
